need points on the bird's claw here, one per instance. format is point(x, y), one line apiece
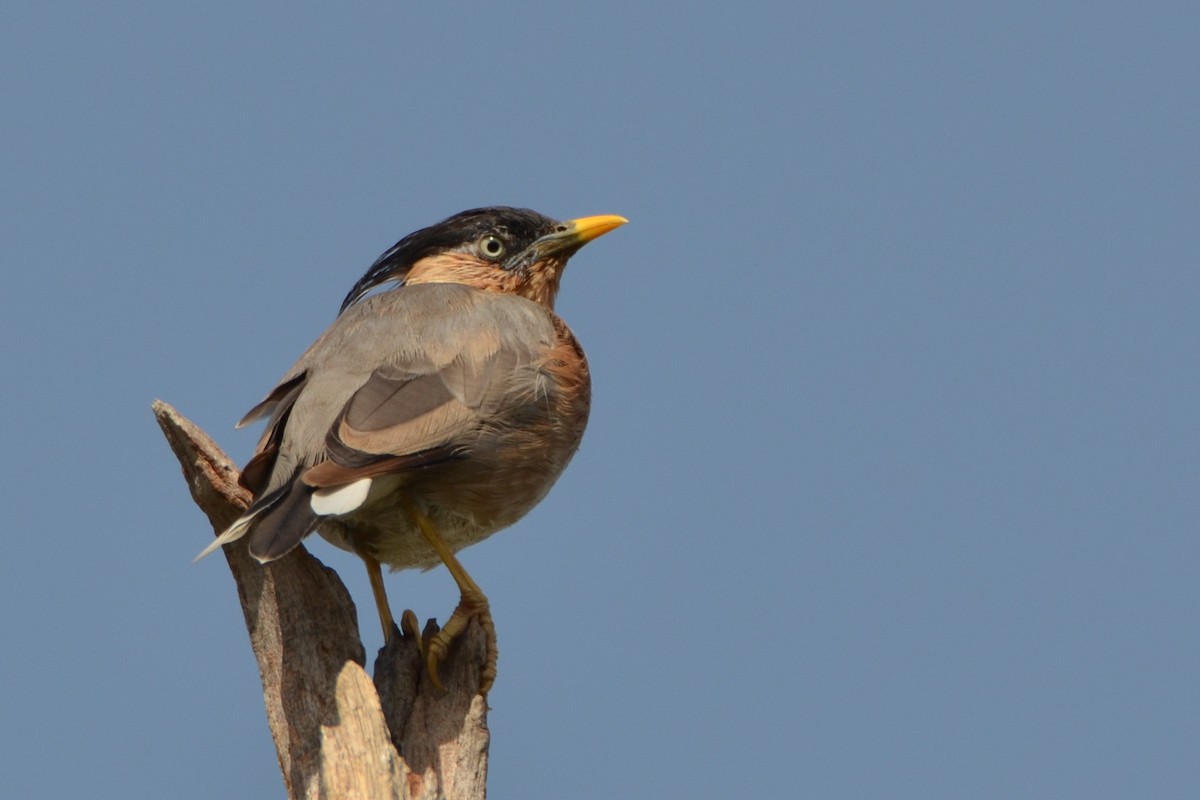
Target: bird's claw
point(411, 629)
point(437, 646)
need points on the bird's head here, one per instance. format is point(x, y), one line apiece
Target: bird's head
point(510, 250)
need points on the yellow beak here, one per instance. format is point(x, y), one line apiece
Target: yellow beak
point(576, 234)
point(585, 229)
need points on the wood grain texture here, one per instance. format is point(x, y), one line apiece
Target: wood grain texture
point(337, 733)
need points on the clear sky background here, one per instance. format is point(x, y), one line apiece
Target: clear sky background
point(890, 483)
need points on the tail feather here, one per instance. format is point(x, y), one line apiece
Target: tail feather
point(288, 521)
point(231, 534)
point(277, 522)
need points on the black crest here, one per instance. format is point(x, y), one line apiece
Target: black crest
point(520, 227)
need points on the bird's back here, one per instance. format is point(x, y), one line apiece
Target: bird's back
point(466, 403)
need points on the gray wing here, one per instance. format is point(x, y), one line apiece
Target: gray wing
point(403, 380)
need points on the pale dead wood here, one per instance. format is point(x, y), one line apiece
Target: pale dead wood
point(337, 733)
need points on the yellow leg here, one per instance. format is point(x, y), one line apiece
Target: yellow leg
point(375, 574)
point(472, 603)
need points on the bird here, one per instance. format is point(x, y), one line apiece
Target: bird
point(441, 405)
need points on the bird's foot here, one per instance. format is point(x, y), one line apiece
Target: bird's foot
point(411, 629)
point(475, 605)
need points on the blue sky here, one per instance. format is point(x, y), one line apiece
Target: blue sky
point(890, 484)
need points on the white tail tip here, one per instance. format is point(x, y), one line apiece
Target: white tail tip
point(234, 532)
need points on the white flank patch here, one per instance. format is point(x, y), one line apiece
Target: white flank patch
point(341, 499)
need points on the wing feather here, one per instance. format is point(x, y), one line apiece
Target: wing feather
point(401, 382)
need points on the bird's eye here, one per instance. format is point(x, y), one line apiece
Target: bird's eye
point(491, 246)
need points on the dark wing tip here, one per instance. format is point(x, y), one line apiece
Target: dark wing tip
point(281, 528)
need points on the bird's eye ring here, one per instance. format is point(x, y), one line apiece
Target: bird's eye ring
point(491, 246)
